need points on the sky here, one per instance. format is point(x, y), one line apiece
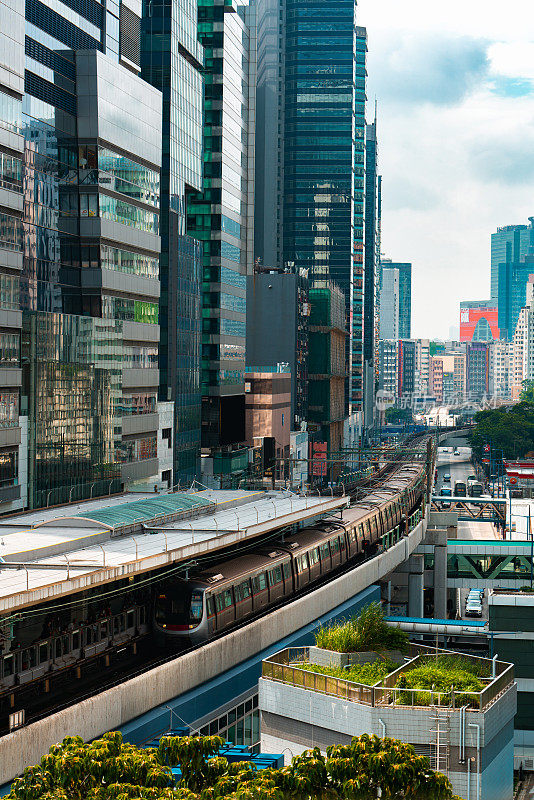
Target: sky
point(454, 84)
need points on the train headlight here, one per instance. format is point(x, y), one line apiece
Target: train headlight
point(164, 625)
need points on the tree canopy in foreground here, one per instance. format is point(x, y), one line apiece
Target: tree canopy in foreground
point(110, 769)
point(510, 429)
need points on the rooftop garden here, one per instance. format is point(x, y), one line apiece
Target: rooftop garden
point(436, 677)
point(366, 632)
point(367, 674)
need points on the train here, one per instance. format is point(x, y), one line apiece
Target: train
point(235, 590)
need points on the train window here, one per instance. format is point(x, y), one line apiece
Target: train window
point(130, 619)
point(334, 545)
point(361, 534)
point(196, 606)
point(259, 583)
point(211, 606)
point(88, 635)
point(325, 551)
point(66, 645)
point(302, 562)
point(219, 602)
point(43, 653)
point(341, 543)
point(313, 556)
point(142, 616)
point(352, 535)
point(103, 630)
point(76, 640)
point(58, 647)
point(8, 665)
point(275, 575)
point(227, 597)
point(287, 569)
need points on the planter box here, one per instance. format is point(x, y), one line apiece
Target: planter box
point(331, 658)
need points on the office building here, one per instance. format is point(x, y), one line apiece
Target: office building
point(221, 216)
point(172, 61)
point(277, 330)
point(80, 249)
point(389, 304)
point(405, 293)
point(479, 321)
point(477, 380)
point(310, 152)
point(407, 365)
point(523, 344)
point(513, 280)
point(268, 412)
point(326, 366)
point(509, 245)
point(373, 211)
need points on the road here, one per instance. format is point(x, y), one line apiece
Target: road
point(459, 468)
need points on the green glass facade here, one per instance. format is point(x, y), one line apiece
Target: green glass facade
point(218, 217)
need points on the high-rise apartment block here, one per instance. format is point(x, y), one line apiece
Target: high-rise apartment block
point(477, 380)
point(448, 377)
point(80, 245)
point(310, 151)
point(405, 293)
point(509, 245)
point(500, 369)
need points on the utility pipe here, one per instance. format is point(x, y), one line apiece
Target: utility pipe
point(474, 725)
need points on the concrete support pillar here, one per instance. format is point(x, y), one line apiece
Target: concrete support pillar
point(416, 582)
point(440, 581)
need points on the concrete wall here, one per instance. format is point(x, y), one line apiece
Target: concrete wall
point(113, 708)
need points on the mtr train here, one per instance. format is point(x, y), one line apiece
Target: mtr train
point(235, 590)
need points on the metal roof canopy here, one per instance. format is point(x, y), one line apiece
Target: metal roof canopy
point(162, 507)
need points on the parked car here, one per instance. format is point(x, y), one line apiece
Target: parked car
point(446, 478)
point(456, 452)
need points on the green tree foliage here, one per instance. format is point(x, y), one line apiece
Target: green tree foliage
point(527, 394)
point(510, 429)
point(398, 415)
point(109, 769)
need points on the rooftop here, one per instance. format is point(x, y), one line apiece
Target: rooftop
point(55, 552)
point(423, 680)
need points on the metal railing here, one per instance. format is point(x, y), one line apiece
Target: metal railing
point(283, 667)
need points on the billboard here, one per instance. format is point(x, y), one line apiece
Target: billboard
point(479, 323)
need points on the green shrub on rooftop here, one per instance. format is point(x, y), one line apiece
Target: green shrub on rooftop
point(368, 674)
point(365, 632)
point(440, 675)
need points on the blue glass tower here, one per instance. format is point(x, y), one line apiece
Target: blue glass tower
point(310, 151)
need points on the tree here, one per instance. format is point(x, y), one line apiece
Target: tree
point(510, 429)
point(528, 391)
point(396, 415)
point(110, 769)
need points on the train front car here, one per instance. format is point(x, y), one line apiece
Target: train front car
point(180, 612)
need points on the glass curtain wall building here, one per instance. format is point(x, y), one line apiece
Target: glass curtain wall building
point(310, 151)
point(405, 294)
point(79, 253)
point(371, 270)
point(172, 61)
point(509, 245)
point(221, 215)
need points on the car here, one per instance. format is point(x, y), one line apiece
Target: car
point(446, 478)
point(471, 479)
point(473, 610)
point(456, 452)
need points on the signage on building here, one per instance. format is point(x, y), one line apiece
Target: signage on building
point(318, 456)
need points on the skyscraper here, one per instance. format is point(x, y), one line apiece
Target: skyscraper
point(405, 293)
point(80, 249)
point(509, 244)
point(311, 150)
point(389, 305)
point(221, 216)
point(478, 321)
point(371, 269)
point(172, 61)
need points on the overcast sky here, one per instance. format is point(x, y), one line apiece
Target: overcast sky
point(455, 88)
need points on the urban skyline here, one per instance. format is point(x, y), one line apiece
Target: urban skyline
point(455, 158)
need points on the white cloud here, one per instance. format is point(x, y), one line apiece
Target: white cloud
point(456, 148)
